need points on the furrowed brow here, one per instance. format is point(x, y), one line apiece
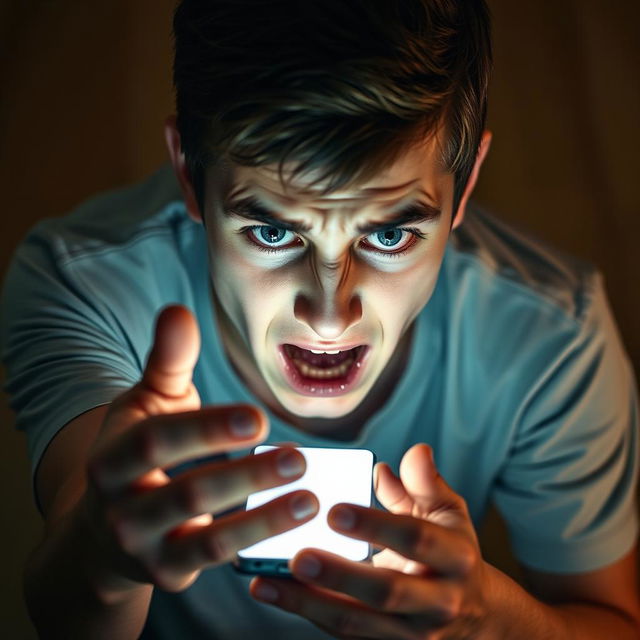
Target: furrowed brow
point(415, 212)
point(250, 207)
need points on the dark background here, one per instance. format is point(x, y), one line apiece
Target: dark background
point(85, 87)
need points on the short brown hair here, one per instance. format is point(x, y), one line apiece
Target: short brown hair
point(337, 87)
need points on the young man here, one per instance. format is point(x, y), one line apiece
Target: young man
point(323, 158)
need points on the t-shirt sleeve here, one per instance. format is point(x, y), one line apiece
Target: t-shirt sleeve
point(63, 349)
point(567, 491)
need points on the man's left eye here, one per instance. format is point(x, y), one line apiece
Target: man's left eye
point(391, 239)
point(388, 242)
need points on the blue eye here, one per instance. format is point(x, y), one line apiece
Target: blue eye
point(267, 238)
point(271, 235)
point(389, 238)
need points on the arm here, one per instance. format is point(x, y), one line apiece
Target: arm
point(119, 526)
point(60, 585)
point(598, 605)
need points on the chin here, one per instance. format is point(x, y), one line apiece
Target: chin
point(313, 407)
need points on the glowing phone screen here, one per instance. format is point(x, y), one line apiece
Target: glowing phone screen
point(334, 475)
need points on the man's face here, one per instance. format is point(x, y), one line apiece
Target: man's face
point(329, 285)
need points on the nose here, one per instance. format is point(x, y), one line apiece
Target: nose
point(330, 306)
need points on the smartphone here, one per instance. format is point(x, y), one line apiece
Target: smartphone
point(334, 475)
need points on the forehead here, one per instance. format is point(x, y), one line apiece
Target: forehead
point(418, 168)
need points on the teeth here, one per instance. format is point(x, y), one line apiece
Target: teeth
point(314, 372)
point(329, 352)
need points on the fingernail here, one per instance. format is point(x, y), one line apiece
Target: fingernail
point(308, 566)
point(242, 424)
point(290, 464)
point(266, 591)
point(344, 518)
point(301, 507)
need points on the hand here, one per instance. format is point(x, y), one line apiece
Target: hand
point(151, 529)
point(428, 581)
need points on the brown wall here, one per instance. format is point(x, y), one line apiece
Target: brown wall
point(85, 87)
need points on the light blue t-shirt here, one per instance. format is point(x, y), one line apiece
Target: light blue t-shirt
point(517, 377)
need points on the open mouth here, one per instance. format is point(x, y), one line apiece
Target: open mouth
point(325, 374)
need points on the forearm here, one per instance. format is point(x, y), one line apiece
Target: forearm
point(594, 622)
point(63, 597)
point(515, 609)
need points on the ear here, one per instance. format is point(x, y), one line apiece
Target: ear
point(172, 136)
point(483, 149)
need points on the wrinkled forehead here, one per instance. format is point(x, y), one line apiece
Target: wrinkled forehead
point(419, 168)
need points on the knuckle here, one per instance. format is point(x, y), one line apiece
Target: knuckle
point(462, 503)
point(388, 597)
point(419, 539)
point(450, 605)
point(346, 623)
point(468, 558)
point(163, 579)
point(150, 404)
point(189, 497)
point(216, 550)
point(147, 446)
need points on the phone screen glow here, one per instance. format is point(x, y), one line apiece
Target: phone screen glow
point(334, 475)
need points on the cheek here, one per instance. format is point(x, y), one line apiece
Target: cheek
point(405, 293)
point(266, 295)
point(248, 292)
point(397, 299)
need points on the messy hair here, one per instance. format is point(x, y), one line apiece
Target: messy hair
point(337, 88)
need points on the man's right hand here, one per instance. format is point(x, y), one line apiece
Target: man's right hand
point(147, 528)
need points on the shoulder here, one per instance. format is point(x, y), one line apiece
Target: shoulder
point(521, 270)
point(110, 263)
point(514, 309)
point(113, 220)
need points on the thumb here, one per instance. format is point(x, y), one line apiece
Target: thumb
point(165, 386)
point(433, 497)
point(175, 351)
point(390, 490)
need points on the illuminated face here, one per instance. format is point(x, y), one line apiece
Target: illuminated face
point(294, 272)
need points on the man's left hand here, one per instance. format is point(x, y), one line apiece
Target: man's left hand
point(429, 580)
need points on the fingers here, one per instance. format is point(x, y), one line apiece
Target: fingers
point(166, 440)
point(433, 498)
point(219, 542)
point(421, 490)
point(446, 551)
point(390, 490)
point(340, 616)
point(174, 353)
point(142, 520)
point(383, 590)
point(422, 481)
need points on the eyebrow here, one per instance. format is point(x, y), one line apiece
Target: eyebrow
point(250, 207)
